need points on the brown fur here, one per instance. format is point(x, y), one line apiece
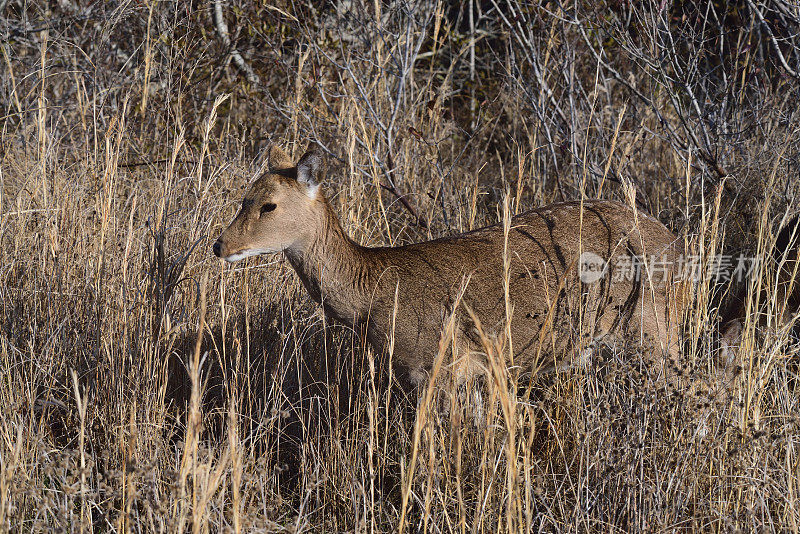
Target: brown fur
point(418, 284)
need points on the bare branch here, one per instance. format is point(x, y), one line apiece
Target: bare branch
point(222, 31)
point(778, 52)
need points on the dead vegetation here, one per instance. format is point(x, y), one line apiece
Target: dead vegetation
point(147, 387)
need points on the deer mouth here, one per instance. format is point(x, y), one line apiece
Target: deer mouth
point(239, 254)
point(244, 253)
point(222, 251)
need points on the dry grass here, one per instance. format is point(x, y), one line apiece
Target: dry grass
point(147, 387)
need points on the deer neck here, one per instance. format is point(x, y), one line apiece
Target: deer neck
point(333, 268)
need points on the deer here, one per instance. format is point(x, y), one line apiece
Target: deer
point(552, 280)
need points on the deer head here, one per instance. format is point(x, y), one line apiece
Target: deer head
point(280, 211)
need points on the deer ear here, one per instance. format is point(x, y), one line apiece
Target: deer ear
point(278, 160)
point(308, 168)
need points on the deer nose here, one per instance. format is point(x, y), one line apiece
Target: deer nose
point(217, 248)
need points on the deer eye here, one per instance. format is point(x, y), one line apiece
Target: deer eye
point(266, 208)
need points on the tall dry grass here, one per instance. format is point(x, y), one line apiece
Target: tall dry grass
point(147, 387)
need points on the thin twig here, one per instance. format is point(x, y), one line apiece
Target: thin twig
point(778, 52)
point(156, 162)
point(421, 221)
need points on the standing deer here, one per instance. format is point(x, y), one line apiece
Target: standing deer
point(574, 273)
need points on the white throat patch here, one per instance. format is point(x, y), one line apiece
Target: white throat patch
point(312, 190)
point(242, 254)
